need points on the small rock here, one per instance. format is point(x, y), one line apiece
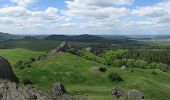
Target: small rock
point(124, 68)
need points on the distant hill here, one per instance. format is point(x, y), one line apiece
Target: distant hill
point(29, 38)
point(89, 38)
point(7, 36)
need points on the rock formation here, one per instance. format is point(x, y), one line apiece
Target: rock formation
point(63, 47)
point(58, 90)
point(123, 94)
point(10, 91)
point(6, 71)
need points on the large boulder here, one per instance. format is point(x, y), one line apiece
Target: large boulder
point(135, 95)
point(6, 72)
point(118, 94)
point(11, 91)
point(58, 90)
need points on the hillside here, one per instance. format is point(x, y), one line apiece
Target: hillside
point(79, 77)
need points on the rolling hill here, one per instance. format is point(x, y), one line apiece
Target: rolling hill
point(89, 38)
point(7, 36)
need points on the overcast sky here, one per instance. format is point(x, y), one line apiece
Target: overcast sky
point(100, 17)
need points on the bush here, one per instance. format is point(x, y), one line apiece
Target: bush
point(152, 65)
point(102, 69)
point(141, 64)
point(163, 67)
point(131, 62)
point(154, 72)
point(114, 77)
point(119, 62)
point(26, 81)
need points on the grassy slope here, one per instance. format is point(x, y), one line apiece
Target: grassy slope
point(77, 75)
point(14, 55)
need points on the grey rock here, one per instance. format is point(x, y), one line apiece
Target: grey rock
point(64, 46)
point(135, 95)
point(118, 94)
point(58, 90)
point(11, 91)
point(6, 72)
point(124, 68)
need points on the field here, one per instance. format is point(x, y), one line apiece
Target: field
point(82, 80)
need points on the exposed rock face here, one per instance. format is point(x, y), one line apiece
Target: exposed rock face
point(135, 95)
point(6, 71)
point(58, 90)
point(10, 91)
point(64, 46)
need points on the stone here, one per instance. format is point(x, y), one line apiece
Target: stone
point(124, 68)
point(135, 95)
point(64, 46)
point(118, 94)
point(58, 90)
point(11, 91)
point(6, 72)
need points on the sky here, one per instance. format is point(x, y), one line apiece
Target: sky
point(97, 17)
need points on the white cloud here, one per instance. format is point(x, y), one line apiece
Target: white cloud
point(156, 14)
point(23, 2)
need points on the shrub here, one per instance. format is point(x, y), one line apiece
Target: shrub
point(154, 72)
point(114, 77)
point(102, 69)
point(163, 67)
point(141, 64)
point(26, 81)
point(152, 65)
point(131, 62)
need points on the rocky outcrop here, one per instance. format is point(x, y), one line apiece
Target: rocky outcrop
point(6, 71)
point(63, 47)
point(58, 90)
point(135, 95)
point(123, 94)
point(10, 91)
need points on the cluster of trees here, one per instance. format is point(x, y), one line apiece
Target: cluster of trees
point(149, 55)
point(140, 64)
point(112, 55)
point(21, 64)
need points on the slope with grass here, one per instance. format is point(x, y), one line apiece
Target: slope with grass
point(14, 55)
point(82, 81)
point(78, 76)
